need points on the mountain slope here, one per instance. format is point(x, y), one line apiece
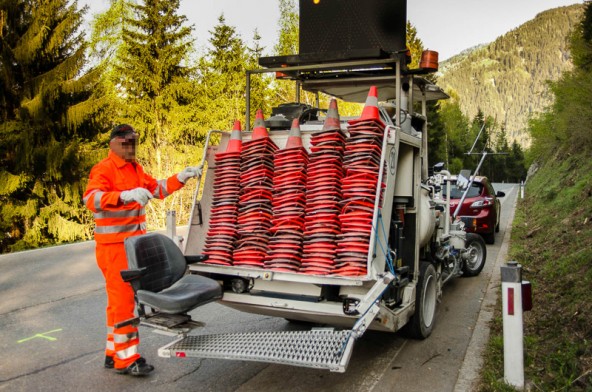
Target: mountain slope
point(507, 78)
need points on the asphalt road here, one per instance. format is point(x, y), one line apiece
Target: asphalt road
point(52, 323)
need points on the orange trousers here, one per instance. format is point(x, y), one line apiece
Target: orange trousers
point(122, 343)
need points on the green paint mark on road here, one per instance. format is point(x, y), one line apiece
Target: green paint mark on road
point(42, 335)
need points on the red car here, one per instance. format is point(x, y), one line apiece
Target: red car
point(481, 208)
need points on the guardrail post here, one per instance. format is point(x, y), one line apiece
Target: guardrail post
point(522, 189)
point(511, 277)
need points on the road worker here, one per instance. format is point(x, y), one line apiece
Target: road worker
point(117, 191)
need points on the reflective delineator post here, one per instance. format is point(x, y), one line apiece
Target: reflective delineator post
point(511, 277)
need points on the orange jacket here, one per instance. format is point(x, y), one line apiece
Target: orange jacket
point(115, 221)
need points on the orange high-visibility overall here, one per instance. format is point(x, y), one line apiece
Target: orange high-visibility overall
point(115, 221)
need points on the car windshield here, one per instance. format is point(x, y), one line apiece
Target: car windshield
point(456, 193)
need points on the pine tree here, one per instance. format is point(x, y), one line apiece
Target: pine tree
point(436, 135)
point(261, 92)
point(154, 77)
point(222, 78)
point(288, 40)
point(287, 45)
point(106, 48)
point(415, 45)
point(44, 109)
point(158, 89)
point(457, 128)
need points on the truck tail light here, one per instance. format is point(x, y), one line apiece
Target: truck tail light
point(482, 203)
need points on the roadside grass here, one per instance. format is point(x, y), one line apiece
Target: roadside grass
point(552, 239)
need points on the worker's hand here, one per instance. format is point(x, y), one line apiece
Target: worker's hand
point(189, 172)
point(139, 195)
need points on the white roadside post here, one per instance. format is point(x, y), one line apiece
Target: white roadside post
point(171, 224)
point(171, 228)
point(511, 277)
point(522, 189)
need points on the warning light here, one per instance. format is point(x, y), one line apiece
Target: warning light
point(316, 1)
point(281, 75)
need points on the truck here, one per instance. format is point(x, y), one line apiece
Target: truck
point(379, 254)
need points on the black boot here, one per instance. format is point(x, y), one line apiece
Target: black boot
point(138, 368)
point(109, 362)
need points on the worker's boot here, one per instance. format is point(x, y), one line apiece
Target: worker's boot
point(109, 363)
point(138, 368)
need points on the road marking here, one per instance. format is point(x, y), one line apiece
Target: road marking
point(42, 335)
point(379, 377)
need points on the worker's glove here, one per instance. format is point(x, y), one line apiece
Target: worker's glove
point(189, 172)
point(139, 195)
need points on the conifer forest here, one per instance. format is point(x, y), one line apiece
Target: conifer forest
point(64, 85)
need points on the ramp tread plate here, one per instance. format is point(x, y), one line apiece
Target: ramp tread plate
point(318, 349)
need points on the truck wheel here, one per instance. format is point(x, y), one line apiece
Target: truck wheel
point(476, 255)
point(426, 299)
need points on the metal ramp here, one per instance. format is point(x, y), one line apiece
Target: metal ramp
point(319, 349)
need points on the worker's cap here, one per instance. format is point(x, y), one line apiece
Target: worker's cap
point(123, 131)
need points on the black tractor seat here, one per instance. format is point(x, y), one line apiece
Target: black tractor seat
point(157, 272)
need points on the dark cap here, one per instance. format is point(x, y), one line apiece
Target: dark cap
point(121, 131)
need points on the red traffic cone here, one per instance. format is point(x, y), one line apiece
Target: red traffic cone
point(370, 111)
point(332, 120)
point(235, 143)
point(259, 129)
point(294, 138)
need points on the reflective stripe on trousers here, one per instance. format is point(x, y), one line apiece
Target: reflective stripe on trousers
point(111, 259)
point(126, 346)
point(110, 349)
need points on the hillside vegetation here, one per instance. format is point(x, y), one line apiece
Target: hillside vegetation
point(552, 237)
point(507, 78)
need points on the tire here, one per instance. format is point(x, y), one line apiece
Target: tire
point(489, 238)
point(426, 300)
point(475, 261)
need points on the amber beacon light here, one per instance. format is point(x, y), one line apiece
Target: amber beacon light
point(429, 60)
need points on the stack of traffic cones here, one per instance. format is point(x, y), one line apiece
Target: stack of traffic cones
point(254, 204)
point(222, 231)
point(323, 196)
point(363, 150)
point(289, 185)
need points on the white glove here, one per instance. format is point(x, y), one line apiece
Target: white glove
point(139, 195)
point(189, 172)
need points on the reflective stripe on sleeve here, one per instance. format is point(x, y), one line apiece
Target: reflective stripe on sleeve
point(162, 187)
point(89, 195)
point(98, 196)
